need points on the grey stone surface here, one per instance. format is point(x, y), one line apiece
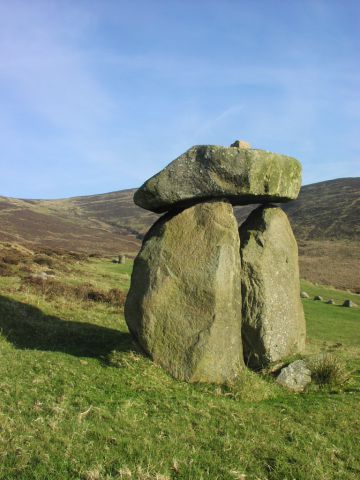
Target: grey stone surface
point(239, 175)
point(273, 317)
point(184, 303)
point(295, 376)
point(304, 295)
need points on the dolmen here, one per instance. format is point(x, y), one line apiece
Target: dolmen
point(207, 298)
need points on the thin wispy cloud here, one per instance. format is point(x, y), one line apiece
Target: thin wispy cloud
point(48, 75)
point(96, 96)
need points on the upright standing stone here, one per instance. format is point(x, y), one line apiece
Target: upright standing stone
point(273, 318)
point(184, 303)
point(122, 259)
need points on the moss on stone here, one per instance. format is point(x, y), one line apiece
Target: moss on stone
point(212, 172)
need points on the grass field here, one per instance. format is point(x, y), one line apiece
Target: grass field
point(78, 401)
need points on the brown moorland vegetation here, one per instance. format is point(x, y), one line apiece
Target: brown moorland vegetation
point(325, 219)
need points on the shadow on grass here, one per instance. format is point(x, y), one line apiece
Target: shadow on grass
point(27, 327)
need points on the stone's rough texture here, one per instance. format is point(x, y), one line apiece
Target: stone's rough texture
point(295, 376)
point(206, 172)
point(184, 303)
point(241, 144)
point(304, 295)
point(273, 318)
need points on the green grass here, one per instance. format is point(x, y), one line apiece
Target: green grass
point(106, 274)
point(332, 326)
point(79, 401)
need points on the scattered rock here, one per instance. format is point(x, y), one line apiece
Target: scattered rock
point(318, 297)
point(120, 260)
point(184, 303)
point(349, 304)
point(40, 275)
point(273, 318)
point(241, 144)
point(295, 376)
point(331, 301)
point(239, 175)
point(304, 295)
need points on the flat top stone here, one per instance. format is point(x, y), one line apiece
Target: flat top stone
point(236, 174)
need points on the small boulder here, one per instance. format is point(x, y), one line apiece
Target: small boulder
point(304, 295)
point(349, 304)
point(296, 376)
point(39, 276)
point(331, 301)
point(241, 144)
point(318, 298)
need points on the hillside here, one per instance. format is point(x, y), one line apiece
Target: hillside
point(325, 219)
point(328, 210)
point(67, 224)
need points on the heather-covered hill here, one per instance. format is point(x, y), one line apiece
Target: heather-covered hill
point(62, 224)
point(327, 210)
point(325, 219)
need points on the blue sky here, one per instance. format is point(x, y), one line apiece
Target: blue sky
point(97, 96)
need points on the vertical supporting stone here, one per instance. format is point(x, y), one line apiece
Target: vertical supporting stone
point(273, 319)
point(184, 303)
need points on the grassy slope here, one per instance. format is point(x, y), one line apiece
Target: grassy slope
point(72, 409)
